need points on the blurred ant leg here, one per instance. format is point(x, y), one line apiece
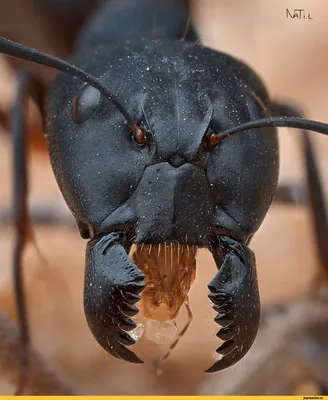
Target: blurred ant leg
point(293, 193)
point(22, 224)
point(40, 214)
point(290, 193)
point(43, 215)
point(312, 347)
point(316, 200)
point(36, 93)
point(318, 212)
point(3, 121)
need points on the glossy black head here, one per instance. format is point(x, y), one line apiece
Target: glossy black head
point(169, 183)
point(165, 159)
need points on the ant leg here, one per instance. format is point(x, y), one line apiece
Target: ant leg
point(319, 218)
point(43, 215)
point(316, 198)
point(47, 213)
point(22, 223)
point(291, 194)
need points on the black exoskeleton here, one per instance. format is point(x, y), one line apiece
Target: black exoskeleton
point(164, 161)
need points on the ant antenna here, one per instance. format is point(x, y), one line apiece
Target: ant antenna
point(22, 52)
point(284, 122)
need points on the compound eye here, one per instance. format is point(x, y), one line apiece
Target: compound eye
point(85, 103)
point(255, 106)
point(211, 139)
point(140, 137)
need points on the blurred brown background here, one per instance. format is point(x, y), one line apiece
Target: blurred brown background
point(292, 58)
